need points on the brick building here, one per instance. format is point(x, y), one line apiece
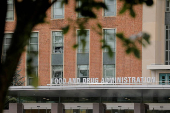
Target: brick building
point(56, 58)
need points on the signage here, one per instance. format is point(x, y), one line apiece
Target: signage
point(104, 80)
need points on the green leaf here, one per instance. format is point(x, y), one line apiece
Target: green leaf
point(99, 26)
point(65, 29)
point(35, 81)
point(123, 9)
point(132, 13)
point(120, 35)
point(136, 52)
point(75, 45)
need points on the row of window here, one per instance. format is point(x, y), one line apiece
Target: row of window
point(58, 43)
point(58, 9)
point(82, 72)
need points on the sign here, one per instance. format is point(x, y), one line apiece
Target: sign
point(105, 80)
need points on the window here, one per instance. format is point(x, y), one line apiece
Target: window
point(110, 39)
point(80, 42)
point(79, 5)
point(57, 72)
point(57, 42)
point(164, 78)
point(108, 71)
point(58, 10)
point(35, 72)
point(167, 5)
point(167, 45)
point(83, 72)
point(32, 53)
point(111, 5)
point(10, 10)
point(6, 43)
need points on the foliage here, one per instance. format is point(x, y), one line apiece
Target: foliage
point(17, 79)
point(8, 100)
point(30, 13)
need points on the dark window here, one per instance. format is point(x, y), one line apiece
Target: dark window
point(57, 42)
point(57, 72)
point(83, 72)
point(32, 54)
point(167, 45)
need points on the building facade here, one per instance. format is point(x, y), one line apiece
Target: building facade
point(55, 59)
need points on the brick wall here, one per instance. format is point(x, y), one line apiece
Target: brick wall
point(126, 65)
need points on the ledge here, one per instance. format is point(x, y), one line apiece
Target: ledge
point(158, 67)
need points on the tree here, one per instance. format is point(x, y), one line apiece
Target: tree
point(30, 13)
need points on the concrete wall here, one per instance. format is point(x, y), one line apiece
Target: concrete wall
point(154, 24)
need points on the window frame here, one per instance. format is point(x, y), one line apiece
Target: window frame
point(79, 41)
point(52, 11)
point(166, 6)
point(79, 69)
point(35, 67)
point(105, 50)
point(167, 78)
point(104, 10)
point(104, 70)
point(4, 43)
point(10, 10)
point(167, 47)
point(62, 73)
point(56, 43)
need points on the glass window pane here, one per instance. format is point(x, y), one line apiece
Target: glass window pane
point(58, 39)
point(34, 34)
point(33, 47)
point(57, 42)
point(80, 39)
point(33, 40)
point(166, 56)
point(8, 40)
point(8, 35)
point(83, 73)
point(10, 15)
point(166, 45)
point(9, 1)
point(169, 55)
point(10, 6)
point(58, 12)
point(163, 77)
point(58, 5)
point(57, 33)
point(166, 34)
point(111, 8)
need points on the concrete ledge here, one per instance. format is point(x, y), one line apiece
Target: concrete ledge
point(158, 67)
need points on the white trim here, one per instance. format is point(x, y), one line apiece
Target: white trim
point(158, 67)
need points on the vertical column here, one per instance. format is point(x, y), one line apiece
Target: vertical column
point(57, 108)
point(16, 108)
point(140, 108)
point(99, 108)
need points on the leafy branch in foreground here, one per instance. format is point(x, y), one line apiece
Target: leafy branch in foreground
point(131, 42)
